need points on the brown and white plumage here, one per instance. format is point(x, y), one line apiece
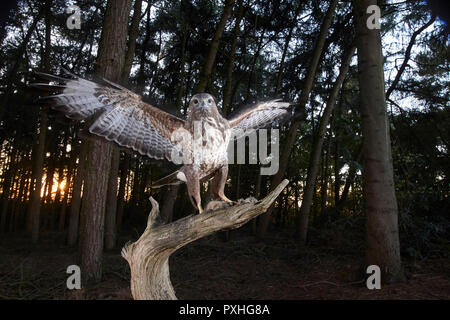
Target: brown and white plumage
point(199, 143)
point(258, 115)
point(124, 118)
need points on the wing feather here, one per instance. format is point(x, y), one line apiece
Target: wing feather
point(259, 115)
point(123, 118)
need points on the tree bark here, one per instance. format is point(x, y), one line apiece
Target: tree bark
point(141, 77)
point(47, 199)
point(18, 202)
point(121, 195)
point(148, 257)
point(57, 202)
point(5, 202)
point(283, 58)
point(132, 36)
point(74, 219)
point(292, 134)
point(214, 47)
point(337, 162)
point(349, 181)
point(253, 63)
point(111, 201)
point(227, 92)
point(134, 197)
point(38, 157)
point(36, 185)
point(314, 159)
point(7, 187)
point(63, 209)
point(383, 247)
point(110, 60)
point(285, 51)
point(185, 31)
point(325, 179)
point(170, 197)
point(93, 210)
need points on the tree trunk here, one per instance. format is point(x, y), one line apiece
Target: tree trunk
point(257, 195)
point(170, 196)
point(133, 33)
point(13, 199)
point(134, 197)
point(292, 134)
point(317, 147)
point(7, 188)
point(383, 248)
point(145, 178)
point(38, 156)
point(349, 181)
point(214, 47)
point(324, 186)
point(227, 92)
point(5, 203)
point(111, 201)
point(121, 195)
point(185, 31)
point(63, 210)
point(253, 63)
point(74, 219)
point(93, 209)
point(140, 78)
point(148, 257)
point(285, 50)
point(20, 52)
point(337, 163)
point(110, 60)
point(57, 202)
point(47, 199)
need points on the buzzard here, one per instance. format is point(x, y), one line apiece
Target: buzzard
point(199, 142)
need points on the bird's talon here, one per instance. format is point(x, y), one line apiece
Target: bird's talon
point(224, 198)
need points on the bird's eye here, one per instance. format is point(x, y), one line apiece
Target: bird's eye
point(195, 101)
point(209, 101)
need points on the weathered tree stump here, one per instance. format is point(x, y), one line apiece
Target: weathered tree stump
point(148, 257)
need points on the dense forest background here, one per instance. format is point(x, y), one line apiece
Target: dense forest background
point(240, 51)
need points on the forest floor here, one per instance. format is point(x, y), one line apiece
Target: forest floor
point(209, 268)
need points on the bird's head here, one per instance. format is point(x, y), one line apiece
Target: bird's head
point(202, 104)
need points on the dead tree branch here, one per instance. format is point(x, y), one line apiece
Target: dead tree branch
point(148, 257)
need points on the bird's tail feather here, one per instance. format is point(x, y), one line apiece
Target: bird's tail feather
point(171, 179)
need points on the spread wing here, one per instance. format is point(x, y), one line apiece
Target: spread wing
point(124, 118)
point(259, 115)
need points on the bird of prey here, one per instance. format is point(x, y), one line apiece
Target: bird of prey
point(199, 142)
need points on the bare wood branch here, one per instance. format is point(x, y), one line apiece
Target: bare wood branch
point(148, 257)
point(407, 56)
